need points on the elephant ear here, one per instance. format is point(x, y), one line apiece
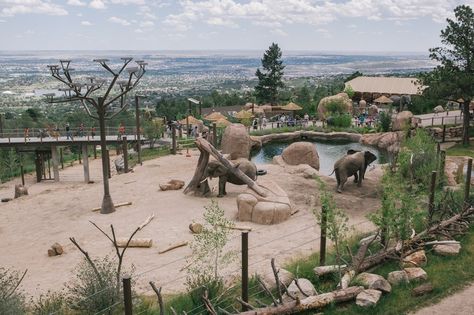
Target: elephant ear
point(369, 158)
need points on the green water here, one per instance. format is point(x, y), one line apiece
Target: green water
point(328, 153)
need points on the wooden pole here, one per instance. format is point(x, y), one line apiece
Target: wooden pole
point(61, 159)
point(245, 269)
point(54, 157)
point(125, 154)
point(137, 121)
point(214, 134)
point(127, 295)
point(173, 138)
point(38, 167)
point(95, 151)
point(468, 181)
point(442, 164)
point(85, 153)
point(21, 170)
point(107, 163)
point(432, 192)
point(322, 243)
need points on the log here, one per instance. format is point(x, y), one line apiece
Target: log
point(238, 228)
point(180, 244)
point(324, 270)
point(128, 203)
point(137, 242)
point(313, 302)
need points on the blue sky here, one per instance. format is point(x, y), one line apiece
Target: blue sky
point(322, 25)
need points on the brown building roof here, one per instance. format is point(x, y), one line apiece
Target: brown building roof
point(385, 85)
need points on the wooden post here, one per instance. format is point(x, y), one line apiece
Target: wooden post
point(214, 134)
point(61, 159)
point(137, 121)
point(38, 166)
point(54, 157)
point(127, 295)
point(468, 181)
point(322, 243)
point(173, 138)
point(79, 156)
point(432, 193)
point(444, 133)
point(85, 154)
point(95, 151)
point(125, 154)
point(48, 157)
point(180, 131)
point(22, 171)
point(107, 157)
point(245, 269)
point(442, 163)
point(432, 121)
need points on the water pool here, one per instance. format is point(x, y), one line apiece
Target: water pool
point(328, 152)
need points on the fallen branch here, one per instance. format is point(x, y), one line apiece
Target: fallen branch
point(160, 298)
point(180, 244)
point(238, 228)
point(137, 242)
point(128, 203)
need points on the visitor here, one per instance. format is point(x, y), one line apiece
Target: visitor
point(121, 131)
point(68, 132)
point(27, 133)
point(81, 130)
point(195, 132)
point(255, 124)
point(264, 122)
point(93, 132)
point(305, 119)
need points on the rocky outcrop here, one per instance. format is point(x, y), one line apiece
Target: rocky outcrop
point(373, 281)
point(341, 98)
point(416, 259)
point(301, 153)
point(273, 209)
point(389, 141)
point(368, 298)
point(397, 277)
point(308, 135)
point(438, 109)
point(416, 274)
point(268, 278)
point(236, 142)
point(306, 286)
point(402, 120)
point(447, 249)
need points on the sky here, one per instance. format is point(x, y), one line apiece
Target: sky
point(316, 25)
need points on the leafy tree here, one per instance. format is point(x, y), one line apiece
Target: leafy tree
point(354, 75)
point(453, 78)
point(34, 113)
point(270, 80)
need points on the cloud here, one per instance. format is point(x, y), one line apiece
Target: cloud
point(118, 20)
point(221, 22)
point(279, 32)
point(15, 7)
point(97, 4)
point(86, 23)
point(77, 3)
point(127, 2)
point(147, 24)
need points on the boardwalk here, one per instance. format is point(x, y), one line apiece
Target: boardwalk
point(61, 141)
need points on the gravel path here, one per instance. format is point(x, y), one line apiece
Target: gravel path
point(458, 304)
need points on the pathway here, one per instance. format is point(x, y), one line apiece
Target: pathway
point(460, 303)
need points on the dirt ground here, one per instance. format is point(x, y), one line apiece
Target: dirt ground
point(53, 212)
point(460, 303)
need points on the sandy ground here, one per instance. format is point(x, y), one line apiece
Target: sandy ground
point(53, 212)
point(460, 303)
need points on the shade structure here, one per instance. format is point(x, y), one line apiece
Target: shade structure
point(256, 110)
point(383, 100)
point(243, 115)
point(221, 123)
point(292, 106)
point(214, 116)
point(191, 119)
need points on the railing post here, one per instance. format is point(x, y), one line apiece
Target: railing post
point(468, 181)
point(107, 156)
point(125, 154)
point(432, 193)
point(127, 295)
point(322, 243)
point(444, 133)
point(173, 138)
point(61, 158)
point(245, 269)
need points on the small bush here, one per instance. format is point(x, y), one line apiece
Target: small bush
point(49, 303)
point(12, 300)
point(340, 120)
point(336, 107)
point(385, 121)
point(89, 294)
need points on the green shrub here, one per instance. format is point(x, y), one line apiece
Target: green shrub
point(89, 294)
point(12, 300)
point(49, 303)
point(385, 121)
point(340, 120)
point(336, 107)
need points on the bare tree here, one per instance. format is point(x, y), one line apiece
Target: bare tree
point(97, 96)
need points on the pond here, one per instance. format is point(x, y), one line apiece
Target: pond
point(328, 151)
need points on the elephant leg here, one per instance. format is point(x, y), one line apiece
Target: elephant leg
point(222, 182)
point(338, 181)
point(356, 179)
point(204, 189)
point(342, 181)
point(361, 175)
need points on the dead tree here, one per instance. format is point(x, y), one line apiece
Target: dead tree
point(85, 91)
point(206, 150)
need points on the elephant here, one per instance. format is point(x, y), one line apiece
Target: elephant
point(350, 164)
point(217, 169)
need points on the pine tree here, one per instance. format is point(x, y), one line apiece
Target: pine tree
point(270, 79)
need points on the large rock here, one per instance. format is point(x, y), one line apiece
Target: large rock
point(447, 249)
point(305, 285)
point(119, 165)
point(268, 278)
point(397, 277)
point(373, 281)
point(416, 259)
point(342, 98)
point(416, 274)
point(20, 190)
point(389, 141)
point(368, 298)
point(301, 153)
point(273, 209)
point(402, 121)
point(438, 109)
point(174, 184)
point(236, 142)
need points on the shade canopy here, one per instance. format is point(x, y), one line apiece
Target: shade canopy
point(221, 123)
point(243, 115)
point(383, 100)
point(292, 106)
point(191, 119)
point(214, 116)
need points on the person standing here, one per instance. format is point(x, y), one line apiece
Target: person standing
point(121, 131)
point(68, 132)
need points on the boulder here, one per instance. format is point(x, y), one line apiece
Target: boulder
point(20, 190)
point(119, 165)
point(236, 142)
point(422, 289)
point(389, 141)
point(195, 228)
point(268, 278)
point(305, 285)
point(402, 120)
point(301, 153)
point(438, 109)
point(58, 249)
point(324, 270)
point(368, 297)
point(447, 249)
point(416, 259)
point(373, 281)
point(174, 184)
point(342, 98)
point(416, 273)
point(273, 209)
point(397, 277)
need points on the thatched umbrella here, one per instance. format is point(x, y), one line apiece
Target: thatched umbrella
point(190, 119)
point(214, 116)
point(243, 115)
point(383, 100)
point(291, 107)
point(221, 123)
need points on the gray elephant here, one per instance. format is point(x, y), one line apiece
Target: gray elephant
point(354, 163)
point(216, 169)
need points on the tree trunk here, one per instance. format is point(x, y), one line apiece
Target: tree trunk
point(465, 124)
point(107, 204)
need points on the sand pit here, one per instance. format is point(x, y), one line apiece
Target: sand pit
point(53, 212)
